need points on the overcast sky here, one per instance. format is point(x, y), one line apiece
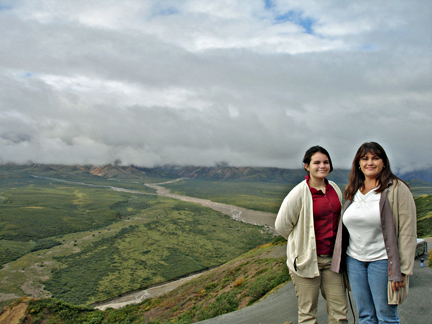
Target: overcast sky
point(248, 82)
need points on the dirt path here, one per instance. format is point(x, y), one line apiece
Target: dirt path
point(237, 213)
point(139, 296)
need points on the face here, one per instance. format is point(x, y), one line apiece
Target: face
point(371, 165)
point(319, 166)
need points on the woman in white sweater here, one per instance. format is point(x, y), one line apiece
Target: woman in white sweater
point(376, 239)
point(308, 218)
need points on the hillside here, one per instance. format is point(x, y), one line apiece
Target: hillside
point(108, 171)
point(234, 285)
point(82, 241)
point(424, 215)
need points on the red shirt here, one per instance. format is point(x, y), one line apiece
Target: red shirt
point(326, 210)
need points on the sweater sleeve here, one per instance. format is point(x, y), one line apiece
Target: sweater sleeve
point(289, 212)
point(407, 228)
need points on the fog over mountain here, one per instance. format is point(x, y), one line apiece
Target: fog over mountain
point(250, 83)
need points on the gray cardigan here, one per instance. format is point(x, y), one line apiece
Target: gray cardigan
point(399, 227)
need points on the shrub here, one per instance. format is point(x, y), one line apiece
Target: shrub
point(239, 282)
point(210, 286)
point(265, 283)
point(45, 244)
point(224, 303)
point(278, 240)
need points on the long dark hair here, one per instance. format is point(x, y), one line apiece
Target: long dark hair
point(356, 177)
point(316, 149)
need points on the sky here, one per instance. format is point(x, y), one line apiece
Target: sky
point(198, 82)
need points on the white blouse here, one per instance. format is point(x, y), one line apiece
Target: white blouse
point(362, 219)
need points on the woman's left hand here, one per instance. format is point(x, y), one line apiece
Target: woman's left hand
point(397, 285)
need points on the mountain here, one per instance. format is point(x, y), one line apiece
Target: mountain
point(221, 171)
point(225, 172)
point(107, 171)
point(425, 175)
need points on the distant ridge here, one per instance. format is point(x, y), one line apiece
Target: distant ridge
point(107, 171)
point(225, 172)
point(424, 175)
point(221, 171)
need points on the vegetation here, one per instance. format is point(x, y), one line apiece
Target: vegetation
point(33, 213)
point(160, 249)
point(430, 258)
point(232, 286)
point(13, 250)
point(83, 244)
point(424, 215)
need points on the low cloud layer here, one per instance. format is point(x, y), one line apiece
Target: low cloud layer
point(252, 83)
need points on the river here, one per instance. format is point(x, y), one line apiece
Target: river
point(235, 212)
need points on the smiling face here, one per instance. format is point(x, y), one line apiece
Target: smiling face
point(371, 165)
point(319, 166)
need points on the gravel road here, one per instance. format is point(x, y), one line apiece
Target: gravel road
point(139, 296)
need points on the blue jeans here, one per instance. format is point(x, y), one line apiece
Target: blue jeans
point(369, 282)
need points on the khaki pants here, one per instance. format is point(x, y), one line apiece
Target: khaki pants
point(332, 289)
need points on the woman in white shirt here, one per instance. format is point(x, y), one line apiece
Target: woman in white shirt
point(377, 235)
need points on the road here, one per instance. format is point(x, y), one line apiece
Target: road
point(139, 296)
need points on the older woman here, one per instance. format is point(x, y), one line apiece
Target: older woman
point(308, 218)
point(376, 237)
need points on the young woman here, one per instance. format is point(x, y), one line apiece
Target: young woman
point(377, 236)
point(308, 219)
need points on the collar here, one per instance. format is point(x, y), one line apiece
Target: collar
point(307, 177)
point(313, 190)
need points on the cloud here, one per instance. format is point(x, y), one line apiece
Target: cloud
point(198, 82)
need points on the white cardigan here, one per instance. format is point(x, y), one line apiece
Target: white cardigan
point(295, 223)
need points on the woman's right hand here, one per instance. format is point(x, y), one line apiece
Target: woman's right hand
point(397, 285)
